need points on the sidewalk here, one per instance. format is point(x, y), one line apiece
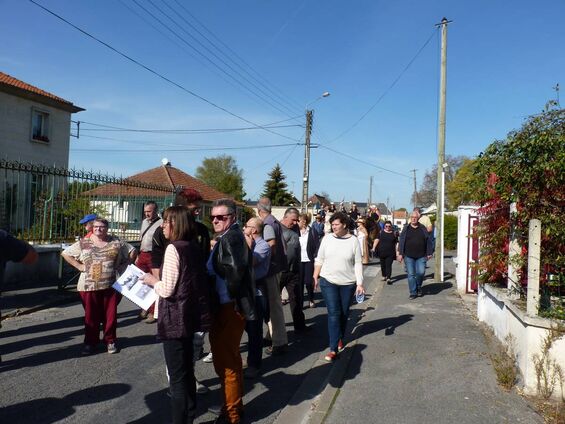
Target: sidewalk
point(418, 361)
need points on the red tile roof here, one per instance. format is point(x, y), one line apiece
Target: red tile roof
point(7, 81)
point(400, 214)
point(166, 177)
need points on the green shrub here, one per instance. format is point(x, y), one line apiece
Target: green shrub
point(450, 232)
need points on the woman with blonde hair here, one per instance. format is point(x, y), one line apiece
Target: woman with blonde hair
point(363, 237)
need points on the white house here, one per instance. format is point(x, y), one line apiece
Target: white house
point(35, 125)
point(35, 128)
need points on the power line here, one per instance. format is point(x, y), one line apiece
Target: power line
point(363, 161)
point(157, 74)
point(196, 149)
point(181, 46)
point(201, 53)
point(106, 127)
point(290, 102)
point(387, 90)
point(193, 131)
point(228, 58)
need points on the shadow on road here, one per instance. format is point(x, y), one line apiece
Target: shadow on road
point(50, 410)
point(68, 352)
point(435, 288)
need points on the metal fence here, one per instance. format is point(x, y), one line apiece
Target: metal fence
point(43, 204)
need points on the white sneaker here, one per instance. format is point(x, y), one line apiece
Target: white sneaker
point(208, 358)
point(201, 388)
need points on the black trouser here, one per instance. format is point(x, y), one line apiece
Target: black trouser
point(386, 265)
point(254, 331)
point(307, 278)
point(178, 357)
point(295, 289)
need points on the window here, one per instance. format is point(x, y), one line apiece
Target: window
point(39, 125)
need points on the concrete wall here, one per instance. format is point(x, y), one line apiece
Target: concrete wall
point(15, 132)
point(505, 318)
point(461, 271)
point(44, 272)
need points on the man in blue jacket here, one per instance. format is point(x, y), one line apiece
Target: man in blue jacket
point(415, 248)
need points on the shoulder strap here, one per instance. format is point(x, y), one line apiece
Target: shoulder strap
point(147, 229)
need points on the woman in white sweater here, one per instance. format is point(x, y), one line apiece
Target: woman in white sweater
point(338, 270)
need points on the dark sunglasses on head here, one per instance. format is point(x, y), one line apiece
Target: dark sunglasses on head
point(220, 217)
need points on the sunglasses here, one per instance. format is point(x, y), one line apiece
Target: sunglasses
point(220, 217)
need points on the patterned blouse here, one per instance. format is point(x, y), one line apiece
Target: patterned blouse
point(102, 263)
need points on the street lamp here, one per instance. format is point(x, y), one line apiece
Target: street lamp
point(306, 177)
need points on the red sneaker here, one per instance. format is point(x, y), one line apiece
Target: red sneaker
point(340, 346)
point(330, 357)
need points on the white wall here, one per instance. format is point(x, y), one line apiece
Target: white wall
point(15, 132)
point(463, 246)
point(505, 318)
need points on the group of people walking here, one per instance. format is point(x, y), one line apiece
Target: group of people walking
point(231, 284)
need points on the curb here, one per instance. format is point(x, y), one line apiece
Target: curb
point(315, 397)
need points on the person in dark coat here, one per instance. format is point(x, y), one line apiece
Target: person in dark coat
point(182, 291)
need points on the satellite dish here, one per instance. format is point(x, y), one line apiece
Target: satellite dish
point(165, 162)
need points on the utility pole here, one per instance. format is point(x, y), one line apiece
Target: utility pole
point(309, 117)
point(415, 196)
point(370, 191)
point(438, 277)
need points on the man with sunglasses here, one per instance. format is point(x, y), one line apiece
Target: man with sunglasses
point(231, 264)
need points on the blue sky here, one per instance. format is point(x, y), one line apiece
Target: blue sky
point(504, 57)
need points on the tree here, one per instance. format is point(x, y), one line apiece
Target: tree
point(276, 188)
point(526, 168)
point(222, 173)
point(427, 194)
point(459, 190)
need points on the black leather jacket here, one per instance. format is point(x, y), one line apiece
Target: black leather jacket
point(233, 261)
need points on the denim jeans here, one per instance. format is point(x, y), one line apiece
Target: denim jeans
point(178, 357)
point(338, 299)
point(415, 268)
point(254, 331)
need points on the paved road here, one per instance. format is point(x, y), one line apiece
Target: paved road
point(421, 361)
point(45, 380)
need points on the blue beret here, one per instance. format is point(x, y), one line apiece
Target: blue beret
point(88, 218)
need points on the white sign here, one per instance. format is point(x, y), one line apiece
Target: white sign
point(130, 286)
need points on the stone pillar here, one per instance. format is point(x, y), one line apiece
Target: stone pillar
point(514, 249)
point(534, 241)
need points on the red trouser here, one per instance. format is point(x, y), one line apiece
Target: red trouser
point(143, 262)
point(225, 336)
point(100, 306)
